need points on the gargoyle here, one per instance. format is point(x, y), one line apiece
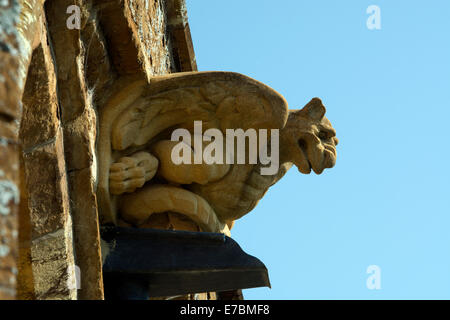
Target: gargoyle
point(137, 178)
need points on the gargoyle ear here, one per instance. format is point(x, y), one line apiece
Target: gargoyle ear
point(314, 109)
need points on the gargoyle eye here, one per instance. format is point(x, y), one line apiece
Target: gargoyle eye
point(302, 144)
point(323, 135)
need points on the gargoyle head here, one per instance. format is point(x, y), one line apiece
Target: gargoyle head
point(308, 139)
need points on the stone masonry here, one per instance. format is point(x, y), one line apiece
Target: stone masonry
point(53, 75)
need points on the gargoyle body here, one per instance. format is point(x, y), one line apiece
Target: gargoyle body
point(138, 179)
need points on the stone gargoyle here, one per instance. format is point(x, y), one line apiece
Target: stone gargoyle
point(137, 179)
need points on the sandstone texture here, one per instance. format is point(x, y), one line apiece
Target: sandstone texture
point(53, 78)
point(18, 21)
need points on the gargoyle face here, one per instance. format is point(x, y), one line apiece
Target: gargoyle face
point(310, 140)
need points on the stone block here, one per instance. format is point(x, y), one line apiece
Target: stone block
point(47, 187)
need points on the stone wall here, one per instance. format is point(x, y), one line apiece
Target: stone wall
point(17, 25)
point(49, 161)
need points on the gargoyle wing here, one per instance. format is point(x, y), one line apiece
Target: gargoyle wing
point(222, 100)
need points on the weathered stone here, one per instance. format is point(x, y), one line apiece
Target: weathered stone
point(98, 70)
point(17, 23)
point(87, 239)
point(79, 140)
point(178, 26)
point(9, 200)
point(47, 187)
point(67, 51)
point(119, 37)
point(52, 263)
point(148, 22)
point(25, 280)
point(9, 130)
point(72, 54)
point(40, 121)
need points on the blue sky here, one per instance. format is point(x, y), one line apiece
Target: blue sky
point(387, 93)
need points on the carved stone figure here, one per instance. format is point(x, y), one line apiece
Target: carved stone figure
point(140, 184)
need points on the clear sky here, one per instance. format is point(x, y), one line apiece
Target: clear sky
point(387, 93)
